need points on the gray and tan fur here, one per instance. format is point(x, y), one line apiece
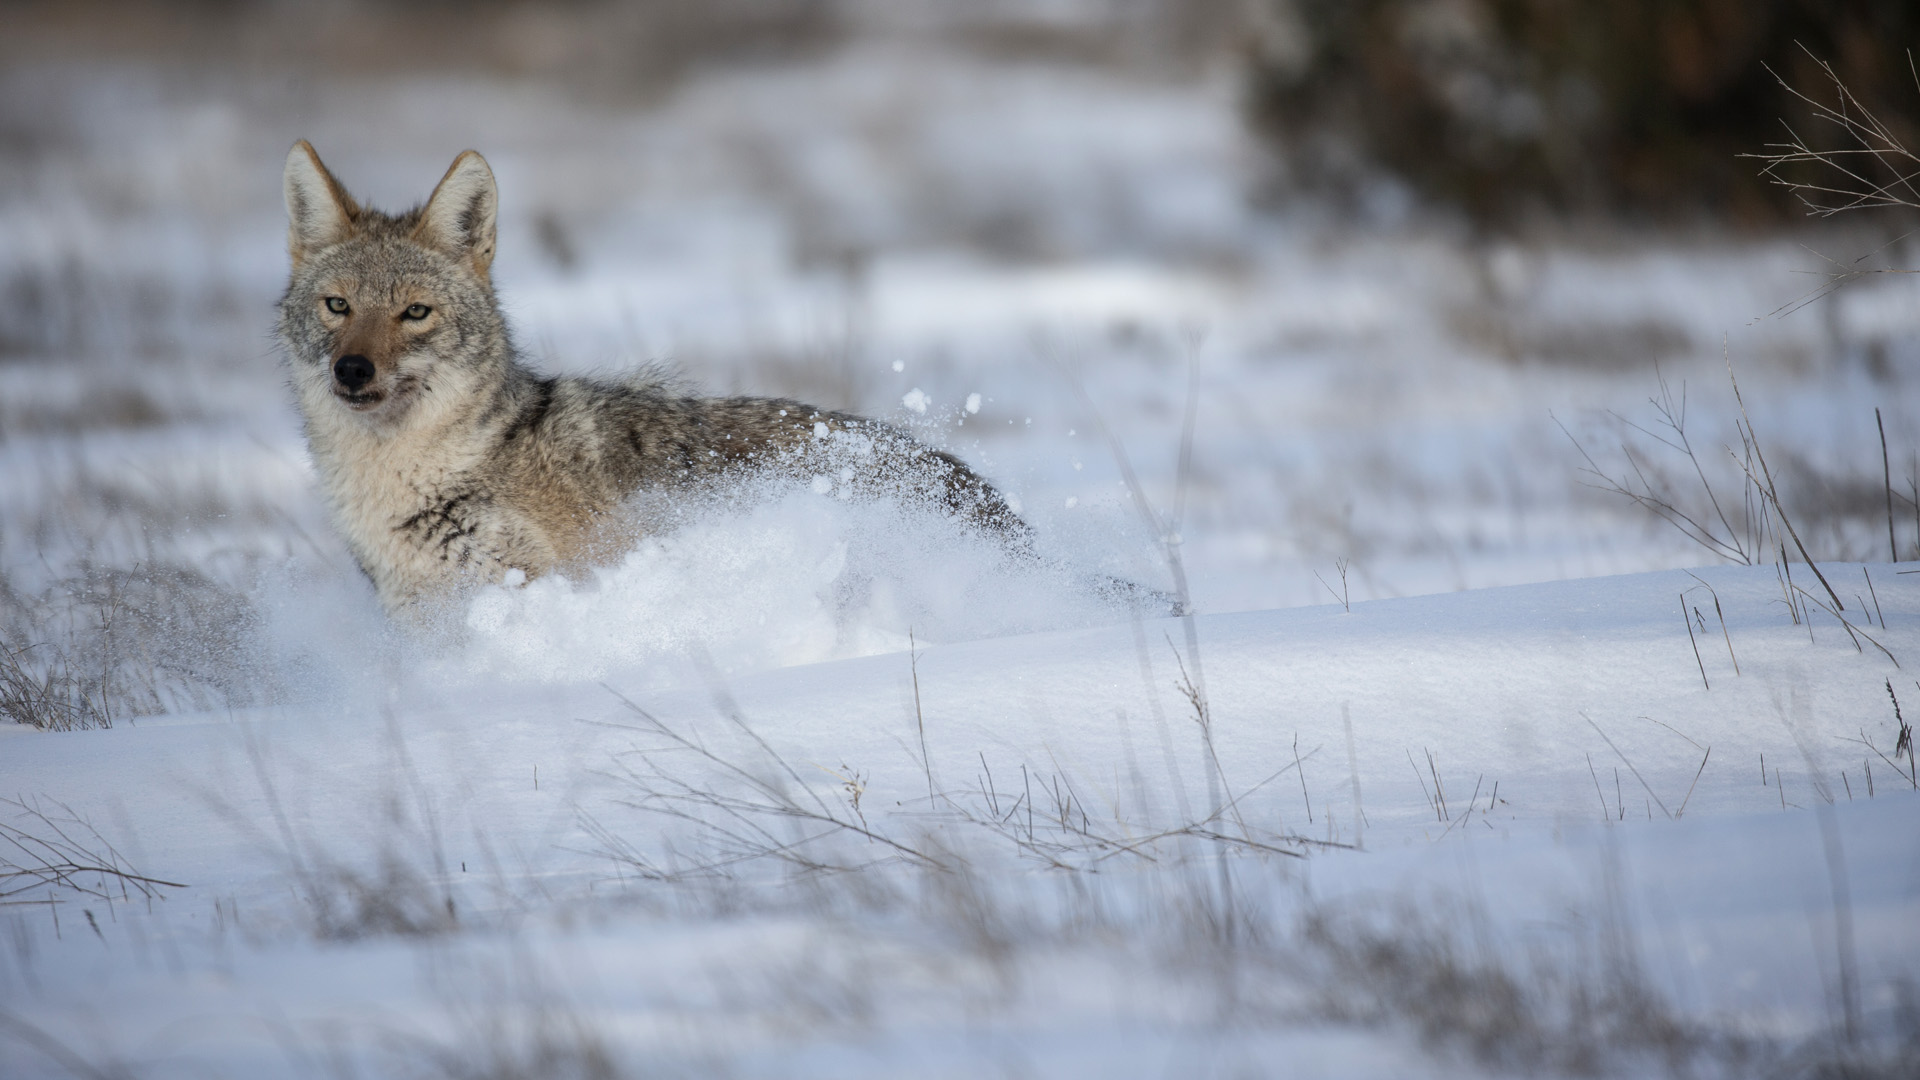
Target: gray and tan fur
point(448, 462)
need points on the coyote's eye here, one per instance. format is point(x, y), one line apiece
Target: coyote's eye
point(336, 305)
point(416, 311)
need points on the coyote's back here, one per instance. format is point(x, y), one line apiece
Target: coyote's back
point(447, 462)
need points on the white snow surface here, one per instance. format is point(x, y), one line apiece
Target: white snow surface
point(1583, 700)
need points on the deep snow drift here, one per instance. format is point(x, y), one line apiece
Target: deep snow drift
point(496, 865)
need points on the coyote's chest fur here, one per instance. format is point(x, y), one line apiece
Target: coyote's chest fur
point(422, 520)
point(448, 463)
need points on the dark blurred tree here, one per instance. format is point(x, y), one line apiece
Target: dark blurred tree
point(1513, 108)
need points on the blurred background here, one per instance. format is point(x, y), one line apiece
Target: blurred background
point(1416, 266)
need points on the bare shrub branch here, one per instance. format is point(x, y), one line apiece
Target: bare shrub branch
point(1872, 167)
point(1700, 517)
point(47, 851)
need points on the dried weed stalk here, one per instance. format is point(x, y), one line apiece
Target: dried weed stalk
point(48, 849)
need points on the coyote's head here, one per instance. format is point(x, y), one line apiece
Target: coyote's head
point(390, 319)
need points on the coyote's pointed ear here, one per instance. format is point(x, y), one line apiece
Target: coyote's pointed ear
point(461, 215)
point(319, 211)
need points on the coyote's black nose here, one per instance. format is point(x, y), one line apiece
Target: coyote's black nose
point(353, 371)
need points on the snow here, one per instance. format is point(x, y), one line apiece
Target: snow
point(805, 578)
point(1528, 735)
point(1728, 904)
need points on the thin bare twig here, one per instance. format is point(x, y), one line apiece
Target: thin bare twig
point(1886, 472)
point(1773, 492)
point(1696, 781)
point(62, 850)
point(919, 718)
point(1693, 642)
point(1631, 769)
point(1844, 183)
point(771, 799)
point(1722, 615)
point(1853, 632)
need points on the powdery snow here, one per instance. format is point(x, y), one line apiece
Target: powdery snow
point(425, 783)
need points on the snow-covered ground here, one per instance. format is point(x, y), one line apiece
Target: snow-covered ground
point(813, 787)
point(749, 876)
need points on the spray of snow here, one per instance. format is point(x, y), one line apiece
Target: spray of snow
point(780, 572)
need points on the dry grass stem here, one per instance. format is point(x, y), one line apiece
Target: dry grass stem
point(47, 851)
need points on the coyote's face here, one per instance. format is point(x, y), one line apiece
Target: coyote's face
point(389, 319)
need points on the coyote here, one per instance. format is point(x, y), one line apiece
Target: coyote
point(449, 463)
